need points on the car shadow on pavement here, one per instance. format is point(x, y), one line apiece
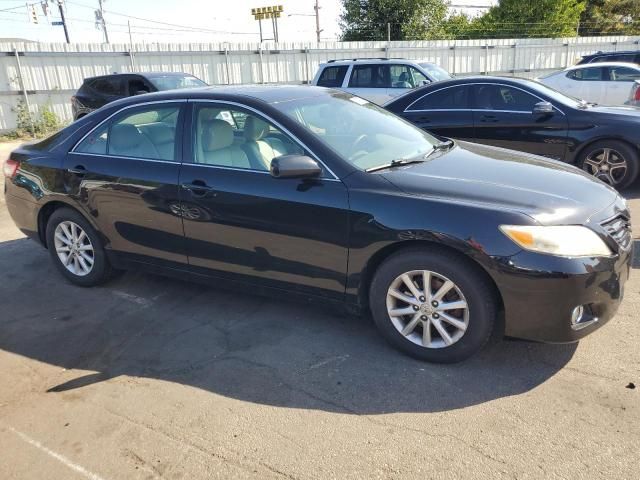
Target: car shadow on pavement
point(239, 345)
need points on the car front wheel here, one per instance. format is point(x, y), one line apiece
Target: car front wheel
point(76, 249)
point(433, 305)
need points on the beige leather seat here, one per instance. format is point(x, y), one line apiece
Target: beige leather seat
point(261, 150)
point(126, 140)
point(217, 148)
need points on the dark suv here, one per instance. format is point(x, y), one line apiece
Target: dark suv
point(98, 91)
point(630, 56)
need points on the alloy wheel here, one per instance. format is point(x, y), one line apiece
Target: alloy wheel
point(427, 308)
point(606, 164)
point(74, 248)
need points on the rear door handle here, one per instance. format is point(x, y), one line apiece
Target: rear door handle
point(77, 170)
point(488, 118)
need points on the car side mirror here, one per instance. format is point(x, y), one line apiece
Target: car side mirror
point(294, 166)
point(141, 92)
point(542, 108)
point(424, 83)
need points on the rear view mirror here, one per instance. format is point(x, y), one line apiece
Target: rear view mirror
point(294, 166)
point(542, 108)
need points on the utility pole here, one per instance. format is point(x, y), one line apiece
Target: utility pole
point(64, 22)
point(318, 30)
point(388, 32)
point(102, 21)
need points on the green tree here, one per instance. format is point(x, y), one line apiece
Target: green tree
point(538, 18)
point(610, 17)
point(408, 19)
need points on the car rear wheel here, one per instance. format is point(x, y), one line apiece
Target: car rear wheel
point(613, 162)
point(76, 249)
point(433, 305)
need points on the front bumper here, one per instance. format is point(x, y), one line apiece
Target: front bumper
point(540, 292)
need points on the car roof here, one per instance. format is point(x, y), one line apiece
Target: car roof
point(270, 94)
point(142, 74)
point(604, 64)
point(350, 61)
point(619, 52)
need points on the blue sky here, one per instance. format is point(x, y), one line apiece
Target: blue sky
point(219, 20)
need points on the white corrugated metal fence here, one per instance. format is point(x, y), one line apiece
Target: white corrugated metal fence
point(51, 73)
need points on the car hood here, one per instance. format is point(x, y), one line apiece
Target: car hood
point(621, 110)
point(549, 191)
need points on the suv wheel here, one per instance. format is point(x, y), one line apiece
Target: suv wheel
point(613, 162)
point(433, 305)
point(76, 249)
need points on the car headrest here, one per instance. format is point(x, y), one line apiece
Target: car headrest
point(124, 136)
point(216, 134)
point(255, 129)
point(161, 133)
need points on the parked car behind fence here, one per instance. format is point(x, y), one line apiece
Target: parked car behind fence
point(378, 79)
point(606, 83)
point(96, 92)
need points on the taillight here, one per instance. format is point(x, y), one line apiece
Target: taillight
point(636, 93)
point(10, 167)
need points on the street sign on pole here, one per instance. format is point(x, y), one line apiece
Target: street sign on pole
point(57, 23)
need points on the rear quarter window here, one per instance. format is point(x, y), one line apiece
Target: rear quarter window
point(332, 76)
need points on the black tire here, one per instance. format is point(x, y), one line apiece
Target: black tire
point(101, 270)
point(474, 284)
point(620, 150)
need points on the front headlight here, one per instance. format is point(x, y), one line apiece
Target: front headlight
point(564, 240)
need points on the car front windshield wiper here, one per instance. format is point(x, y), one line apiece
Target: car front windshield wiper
point(445, 145)
point(399, 162)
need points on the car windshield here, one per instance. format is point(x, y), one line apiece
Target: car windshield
point(435, 72)
point(173, 82)
point(359, 131)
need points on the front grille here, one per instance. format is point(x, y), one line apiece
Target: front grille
point(619, 228)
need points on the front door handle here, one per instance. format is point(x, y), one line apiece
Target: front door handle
point(77, 170)
point(488, 119)
point(197, 187)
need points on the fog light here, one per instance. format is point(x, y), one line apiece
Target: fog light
point(576, 314)
point(582, 316)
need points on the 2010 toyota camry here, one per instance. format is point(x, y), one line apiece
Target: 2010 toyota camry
point(313, 192)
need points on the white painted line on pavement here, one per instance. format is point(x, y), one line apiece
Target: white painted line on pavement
point(61, 458)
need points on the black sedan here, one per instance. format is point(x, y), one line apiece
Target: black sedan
point(304, 191)
point(527, 116)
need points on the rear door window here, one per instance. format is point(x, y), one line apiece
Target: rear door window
point(332, 76)
point(148, 132)
point(136, 86)
point(454, 98)
point(370, 76)
point(108, 86)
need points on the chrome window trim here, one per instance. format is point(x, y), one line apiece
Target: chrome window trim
point(114, 114)
point(250, 170)
point(274, 122)
point(408, 109)
point(104, 155)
